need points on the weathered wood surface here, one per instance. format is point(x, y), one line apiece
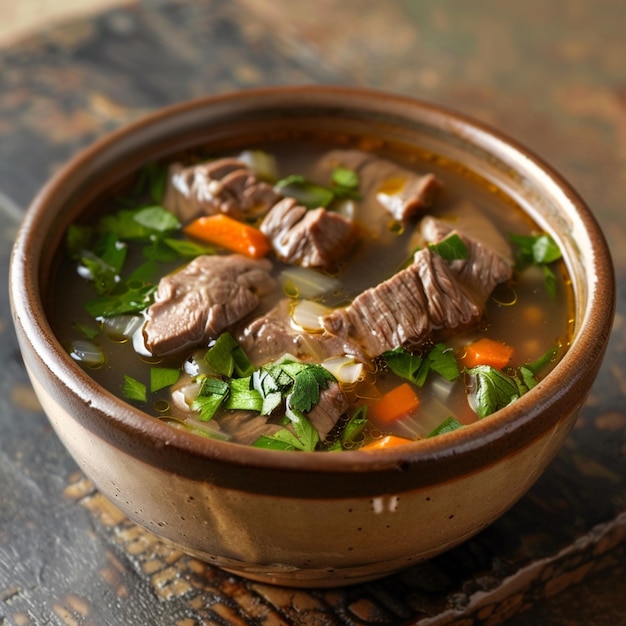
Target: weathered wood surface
point(549, 74)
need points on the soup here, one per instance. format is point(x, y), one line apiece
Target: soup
point(307, 296)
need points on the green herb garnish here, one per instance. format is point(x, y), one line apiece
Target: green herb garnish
point(447, 426)
point(132, 389)
point(491, 389)
point(344, 184)
point(162, 377)
point(415, 368)
point(451, 248)
point(540, 250)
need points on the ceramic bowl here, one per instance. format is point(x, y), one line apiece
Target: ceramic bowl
point(311, 519)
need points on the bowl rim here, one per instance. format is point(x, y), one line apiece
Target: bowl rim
point(518, 420)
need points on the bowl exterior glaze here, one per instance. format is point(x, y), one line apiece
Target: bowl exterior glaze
point(311, 519)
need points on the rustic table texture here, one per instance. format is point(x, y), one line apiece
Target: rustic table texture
point(551, 75)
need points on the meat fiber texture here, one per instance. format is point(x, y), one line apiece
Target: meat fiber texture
point(206, 297)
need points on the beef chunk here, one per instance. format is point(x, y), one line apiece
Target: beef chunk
point(483, 269)
point(223, 186)
point(310, 238)
point(198, 302)
point(331, 406)
point(247, 426)
point(401, 192)
point(406, 308)
point(272, 335)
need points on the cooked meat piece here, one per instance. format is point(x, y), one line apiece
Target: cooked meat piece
point(403, 310)
point(310, 238)
point(484, 268)
point(207, 296)
point(247, 426)
point(223, 186)
point(401, 192)
point(331, 406)
point(272, 335)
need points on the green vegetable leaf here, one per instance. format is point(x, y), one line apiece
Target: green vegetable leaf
point(345, 178)
point(242, 396)
point(157, 219)
point(133, 299)
point(187, 249)
point(132, 389)
point(88, 331)
point(162, 377)
point(213, 392)
point(77, 239)
point(355, 425)
point(448, 425)
point(281, 440)
point(451, 248)
point(536, 366)
point(124, 225)
point(538, 250)
point(103, 275)
point(307, 385)
point(415, 368)
point(443, 361)
point(407, 365)
point(305, 431)
point(307, 194)
point(226, 357)
point(491, 390)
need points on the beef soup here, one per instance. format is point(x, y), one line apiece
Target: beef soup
point(308, 296)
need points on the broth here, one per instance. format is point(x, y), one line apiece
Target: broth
point(520, 313)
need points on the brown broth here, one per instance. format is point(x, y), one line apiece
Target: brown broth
point(532, 325)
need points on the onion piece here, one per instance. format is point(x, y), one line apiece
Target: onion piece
point(122, 327)
point(344, 368)
point(87, 353)
point(302, 282)
point(261, 163)
point(307, 315)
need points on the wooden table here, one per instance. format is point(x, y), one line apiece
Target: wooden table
point(552, 75)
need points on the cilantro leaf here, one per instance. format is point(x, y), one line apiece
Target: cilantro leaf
point(132, 389)
point(451, 248)
point(307, 385)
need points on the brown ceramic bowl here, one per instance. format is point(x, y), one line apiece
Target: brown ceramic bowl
point(311, 519)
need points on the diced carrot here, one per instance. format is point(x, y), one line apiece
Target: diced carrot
point(385, 442)
point(400, 401)
point(229, 233)
point(487, 352)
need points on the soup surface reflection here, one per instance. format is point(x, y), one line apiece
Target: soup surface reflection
point(308, 296)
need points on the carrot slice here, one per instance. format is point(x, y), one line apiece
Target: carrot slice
point(385, 442)
point(487, 352)
point(397, 403)
point(229, 233)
